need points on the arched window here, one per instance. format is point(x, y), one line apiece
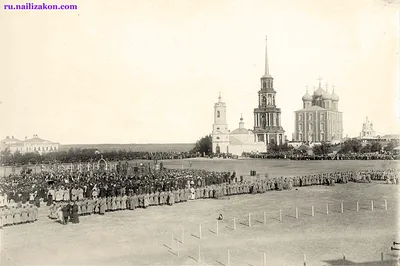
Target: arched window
point(264, 84)
point(217, 149)
point(218, 114)
point(310, 117)
point(300, 117)
point(264, 101)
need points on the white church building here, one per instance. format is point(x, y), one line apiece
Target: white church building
point(234, 142)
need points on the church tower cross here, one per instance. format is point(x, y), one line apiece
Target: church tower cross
point(320, 79)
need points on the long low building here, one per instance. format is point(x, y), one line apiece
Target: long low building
point(34, 144)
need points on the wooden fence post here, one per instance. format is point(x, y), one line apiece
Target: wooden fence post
point(249, 219)
point(200, 231)
point(199, 260)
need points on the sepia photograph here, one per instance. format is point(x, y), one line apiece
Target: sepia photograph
point(199, 132)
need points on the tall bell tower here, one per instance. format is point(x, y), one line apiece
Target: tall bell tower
point(220, 133)
point(267, 117)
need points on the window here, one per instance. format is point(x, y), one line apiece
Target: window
point(217, 137)
point(217, 128)
point(310, 117)
point(218, 114)
point(300, 127)
point(300, 117)
point(38, 148)
point(322, 116)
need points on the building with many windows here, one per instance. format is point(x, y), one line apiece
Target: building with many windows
point(319, 119)
point(34, 144)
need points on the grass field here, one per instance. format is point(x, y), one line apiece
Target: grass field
point(144, 237)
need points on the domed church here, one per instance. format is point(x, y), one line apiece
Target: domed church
point(320, 119)
point(235, 142)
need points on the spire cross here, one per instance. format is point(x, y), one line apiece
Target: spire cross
point(326, 85)
point(307, 88)
point(333, 87)
point(320, 79)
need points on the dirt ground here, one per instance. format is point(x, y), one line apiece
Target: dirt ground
point(144, 237)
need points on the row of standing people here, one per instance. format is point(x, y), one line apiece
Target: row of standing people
point(16, 215)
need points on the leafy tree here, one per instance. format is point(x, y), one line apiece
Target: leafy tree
point(376, 147)
point(351, 145)
point(322, 149)
point(366, 149)
point(390, 146)
point(203, 145)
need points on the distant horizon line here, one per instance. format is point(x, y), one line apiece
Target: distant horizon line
point(153, 143)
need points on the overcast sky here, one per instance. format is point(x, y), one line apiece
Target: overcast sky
point(149, 71)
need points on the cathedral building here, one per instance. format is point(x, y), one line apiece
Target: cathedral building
point(320, 119)
point(267, 116)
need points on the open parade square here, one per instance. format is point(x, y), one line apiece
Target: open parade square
point(316, 225)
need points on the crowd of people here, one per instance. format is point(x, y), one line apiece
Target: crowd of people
point(73, 194)
point(14, 213)
point(306, 157)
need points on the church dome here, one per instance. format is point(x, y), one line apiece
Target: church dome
point(334, 97)
point(307, 97)
point(326, 96)
point(319, 92)
point(240, 131)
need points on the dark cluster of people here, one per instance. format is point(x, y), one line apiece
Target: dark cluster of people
point(71, 194)
point(307, 157)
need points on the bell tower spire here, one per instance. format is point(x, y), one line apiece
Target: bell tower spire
point(266, 57)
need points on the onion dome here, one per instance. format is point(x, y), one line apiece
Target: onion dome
point(307, 97)
point(326, 96)
point(334, 97)
point(319, 92)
